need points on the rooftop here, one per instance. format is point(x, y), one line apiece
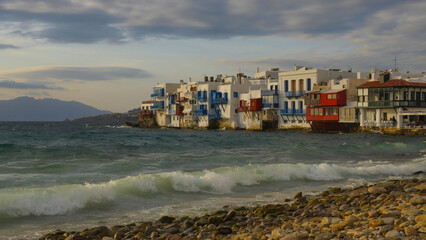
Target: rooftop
point(392, 83)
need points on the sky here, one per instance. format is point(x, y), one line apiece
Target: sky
point(110, 53)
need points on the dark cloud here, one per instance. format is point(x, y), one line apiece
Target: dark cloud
point(7, 46)
point(376, 27)
point(85, 26)
point(79, 73)
point(97, 20)
point(24, 85)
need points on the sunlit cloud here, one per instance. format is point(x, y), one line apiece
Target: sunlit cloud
point(5, 83)
point(77, 73)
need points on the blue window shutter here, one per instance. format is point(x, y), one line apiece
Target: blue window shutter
point(309, 84)
point(285, 105)
point(286, 85)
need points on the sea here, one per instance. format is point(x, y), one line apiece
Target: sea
point(58, 175)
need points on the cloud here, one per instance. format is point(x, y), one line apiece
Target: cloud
point(24, 85)
point(381, 28)
point(7, 46)
point(38, 94)
point(78, 73)
point(112, 20)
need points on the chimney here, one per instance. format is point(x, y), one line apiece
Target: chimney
point(206, 78)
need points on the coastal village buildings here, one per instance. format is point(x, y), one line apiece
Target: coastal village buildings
point(162, 95)
point(332, 107)
point(392, 101)
point(323, 99)
point(294, 84)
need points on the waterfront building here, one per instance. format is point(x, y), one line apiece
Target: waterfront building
point(163, 99)
point(292, 87)
point(331, 107)
point(186, 98)
point(392, 101)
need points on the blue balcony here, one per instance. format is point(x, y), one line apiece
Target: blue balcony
point(270, 105)
point(220, 100)
point(299, 111)
point(158, 92)
point(201, 98)
point(294, 94)
point(215, 116)
point(269, 92)
point(158, 105)
point(292, 112)
point(200, 112)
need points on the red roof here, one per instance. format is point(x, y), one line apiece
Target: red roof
point(391, 83)
point(147, 102)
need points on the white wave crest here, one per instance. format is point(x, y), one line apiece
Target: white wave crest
point(60, 200)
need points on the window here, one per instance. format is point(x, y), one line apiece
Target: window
point(385, 116)
point(286, 85)
point(320, 111)
point(235, 94)
point(334, 96)
point(316, 111)
point(308, 83)
point(329, 96)
point(312, 111)
point(236, 111)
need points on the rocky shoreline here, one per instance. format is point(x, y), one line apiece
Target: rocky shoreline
point(389, 210)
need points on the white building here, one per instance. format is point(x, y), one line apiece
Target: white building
point(292, 87)
point(392, 101)
point(162, 95)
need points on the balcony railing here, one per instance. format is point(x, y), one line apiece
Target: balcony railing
point(200, 112)
point(292, 112)
point(397, 103)
point(201, 98)
point(214, 116)
point(173, 111)
point(219, 100)
point(294, 93)
point(158, 105)
point(269, 92)
point(158, 92)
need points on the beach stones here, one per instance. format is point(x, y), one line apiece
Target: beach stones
point(392, 210)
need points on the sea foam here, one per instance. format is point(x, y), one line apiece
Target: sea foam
point(65, 199)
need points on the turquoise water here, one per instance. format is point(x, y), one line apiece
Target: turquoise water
point(58, 175)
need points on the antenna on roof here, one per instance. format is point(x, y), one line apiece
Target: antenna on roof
point(395, 64)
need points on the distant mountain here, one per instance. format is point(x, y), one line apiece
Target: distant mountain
point(48, 109)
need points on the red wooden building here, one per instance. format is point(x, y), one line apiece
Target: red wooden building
point(323, 115)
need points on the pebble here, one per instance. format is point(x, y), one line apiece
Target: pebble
point(392, 210)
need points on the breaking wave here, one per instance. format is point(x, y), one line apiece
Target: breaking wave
point(65, 199)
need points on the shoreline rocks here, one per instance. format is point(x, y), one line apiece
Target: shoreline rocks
point(389, 210)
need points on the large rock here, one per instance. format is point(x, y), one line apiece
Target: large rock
point(393, 235)
point(377, 189)
point(418, 200)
